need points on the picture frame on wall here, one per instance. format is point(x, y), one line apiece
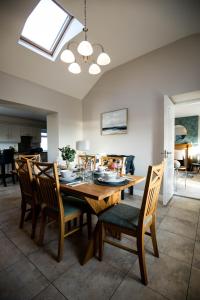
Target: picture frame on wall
point(114, 122)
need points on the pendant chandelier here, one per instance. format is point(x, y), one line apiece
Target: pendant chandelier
point(86, 50)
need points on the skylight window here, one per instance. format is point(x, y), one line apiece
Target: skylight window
point(46, 27)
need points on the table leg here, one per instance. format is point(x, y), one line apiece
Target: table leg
point(131, 190)
point(92, 246)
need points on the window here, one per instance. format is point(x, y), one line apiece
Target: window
point(46, 26)
point(43, 143)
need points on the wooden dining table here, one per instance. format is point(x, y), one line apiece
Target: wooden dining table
point(99, 198)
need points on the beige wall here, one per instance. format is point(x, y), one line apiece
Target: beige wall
point(68, 109)
point(139, 86)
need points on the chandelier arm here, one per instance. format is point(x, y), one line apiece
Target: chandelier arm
point(85, 50)
point(98, 45)
point(70, 43)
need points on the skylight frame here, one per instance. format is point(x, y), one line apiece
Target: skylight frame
point(58, 38)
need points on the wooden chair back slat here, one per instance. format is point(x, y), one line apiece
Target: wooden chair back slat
point(48, 192)
point(25, 177)
point(31, 157)
point(151, 192)
point(47, 183)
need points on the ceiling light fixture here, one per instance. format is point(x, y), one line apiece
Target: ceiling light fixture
point(86, 50)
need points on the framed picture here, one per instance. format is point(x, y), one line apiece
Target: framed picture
point(114, 122)
point(191, 125)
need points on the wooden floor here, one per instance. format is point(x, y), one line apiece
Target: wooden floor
point(30, 272)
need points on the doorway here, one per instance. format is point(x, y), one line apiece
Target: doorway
point(187, 145)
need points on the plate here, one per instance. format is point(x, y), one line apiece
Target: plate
point(69, 179)
point(98, 173)
point(116, 180)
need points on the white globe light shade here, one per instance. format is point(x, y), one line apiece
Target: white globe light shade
point(103, 59)
point(94, 69)
point(74, 68)
point(85, 48)
point(180, 130)
point(83, 145)
point(67, 56)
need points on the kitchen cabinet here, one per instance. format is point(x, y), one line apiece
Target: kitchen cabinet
point(9, 133)
point(26, 131)
point(13, 133)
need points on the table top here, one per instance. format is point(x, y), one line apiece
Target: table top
point(99, 192)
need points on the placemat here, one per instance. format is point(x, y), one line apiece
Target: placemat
point(111, 183)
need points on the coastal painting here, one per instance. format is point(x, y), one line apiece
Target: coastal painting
point(114, 122)
point(191, 124)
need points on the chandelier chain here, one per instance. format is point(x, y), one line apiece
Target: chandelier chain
point(85, 20)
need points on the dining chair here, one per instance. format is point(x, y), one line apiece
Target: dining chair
point(31, 157)
point(87, 161)
point(114, 162)
point(7, 165)
point(135, 222)
point(122, 164)
point(28, 193)
point(53, 205)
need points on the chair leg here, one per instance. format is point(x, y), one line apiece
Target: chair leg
point(153, 237)
point(69, 225)
point(61, 241)
point(34, 221)
point(13, 178)
point(141, 255)
point(3, 172)
point(81, 223)
point(23, 211)
point(75, 222)
point(42, 227)
point(89, 225)
point(101, 240)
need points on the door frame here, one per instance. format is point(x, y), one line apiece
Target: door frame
point(168, 149)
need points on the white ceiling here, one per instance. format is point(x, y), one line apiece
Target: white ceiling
point(12, 109)
point(127, 29)
point(187, 104)
point(188, 109)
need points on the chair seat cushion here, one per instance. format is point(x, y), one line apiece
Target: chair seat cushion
point(76, 202)
point(122, 215)
point(70, 209)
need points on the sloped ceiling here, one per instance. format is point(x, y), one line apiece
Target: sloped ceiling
point(127, 29)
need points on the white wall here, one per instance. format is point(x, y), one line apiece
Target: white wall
point(69, 109)
point(139, 86)
point(53, 131)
